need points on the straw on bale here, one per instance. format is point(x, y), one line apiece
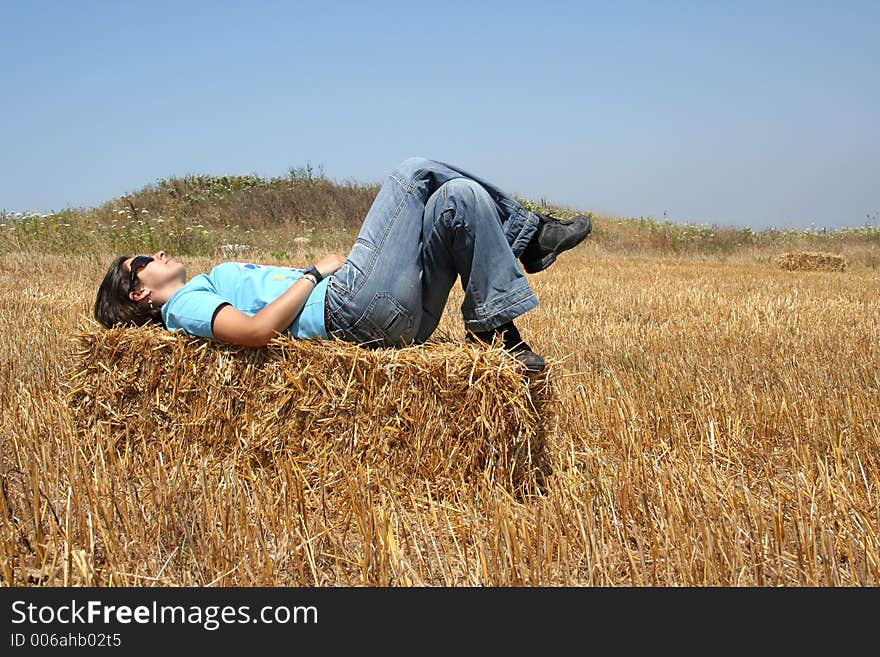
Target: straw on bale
point(441, 412)
point(807, 260)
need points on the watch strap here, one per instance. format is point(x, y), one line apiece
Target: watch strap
point(314, 272)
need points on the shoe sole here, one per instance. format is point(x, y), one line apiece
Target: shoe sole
point(537, 364)
point(535, 369)
point(550, 258)
point(532, 362)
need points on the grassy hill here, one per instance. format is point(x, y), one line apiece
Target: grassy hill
point(198, 215)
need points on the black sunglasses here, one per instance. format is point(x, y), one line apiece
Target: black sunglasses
point(136, 265)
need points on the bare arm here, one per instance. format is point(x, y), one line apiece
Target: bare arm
point(235, 327)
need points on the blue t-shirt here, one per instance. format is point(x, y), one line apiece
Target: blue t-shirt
point(247, 288)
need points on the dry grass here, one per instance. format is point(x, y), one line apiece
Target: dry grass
point(716, 424)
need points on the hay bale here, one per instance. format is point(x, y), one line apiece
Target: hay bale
point(809, 261)
point(442, 412)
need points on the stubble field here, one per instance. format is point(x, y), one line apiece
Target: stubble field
point(717, 425)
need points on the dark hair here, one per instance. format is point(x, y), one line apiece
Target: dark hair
point(113, 305)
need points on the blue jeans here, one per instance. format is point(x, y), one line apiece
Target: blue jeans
point(429, 224)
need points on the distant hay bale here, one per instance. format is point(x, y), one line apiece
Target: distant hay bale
point(442, 412)
point(807, 260)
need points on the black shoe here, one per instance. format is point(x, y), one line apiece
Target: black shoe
point(513, 343)
point(552, 238)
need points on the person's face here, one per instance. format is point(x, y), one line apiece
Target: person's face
point(154, 274)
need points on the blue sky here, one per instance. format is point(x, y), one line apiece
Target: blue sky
point(718, 113)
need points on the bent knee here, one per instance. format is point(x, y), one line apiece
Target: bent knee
point(466, 191)
point(411, 165)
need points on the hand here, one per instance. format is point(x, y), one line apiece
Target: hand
point(329, 264)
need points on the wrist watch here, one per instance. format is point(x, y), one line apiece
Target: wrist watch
point(314, 272)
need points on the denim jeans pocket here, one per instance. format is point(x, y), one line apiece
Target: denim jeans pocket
point(385, 320)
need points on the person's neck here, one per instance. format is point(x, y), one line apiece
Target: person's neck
point(161, 296)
